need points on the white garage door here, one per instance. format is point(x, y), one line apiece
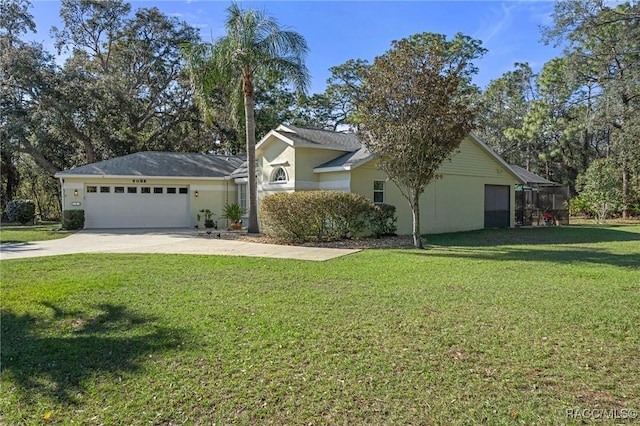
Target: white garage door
point(117, 206)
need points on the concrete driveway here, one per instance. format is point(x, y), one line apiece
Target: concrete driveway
point(169, 241)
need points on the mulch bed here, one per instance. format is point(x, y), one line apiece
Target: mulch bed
point(386, 242)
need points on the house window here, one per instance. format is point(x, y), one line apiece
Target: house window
point(242, 196)
point(157, 190)
point(279, 175)
point(118, 189)
point(92, 189)
point(105, 189)
point(378, 191)
point(171, 190)
point(132, 189)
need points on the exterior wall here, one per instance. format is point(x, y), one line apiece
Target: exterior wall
point(455, 203)
point(472, 160)
point(335, 181)
point(306, 160)
point(212, 194)
point(276, 154)
point(451, 204)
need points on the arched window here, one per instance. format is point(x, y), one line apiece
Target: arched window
point(279, 175)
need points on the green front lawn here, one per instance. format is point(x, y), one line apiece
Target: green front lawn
point(472, 331)
point(24, 233)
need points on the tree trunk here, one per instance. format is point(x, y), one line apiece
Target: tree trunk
point(626, 214)
point(415, 209)
point(250, 125)
point(89, 151)
point(39, 158)
point(10, 174)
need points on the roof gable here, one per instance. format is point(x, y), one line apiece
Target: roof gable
point(493, 155)
point(348, 161)
point(161, 164)
point(312, 138)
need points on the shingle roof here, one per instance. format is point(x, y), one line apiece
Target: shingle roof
point(168, 164)
point(347, 161)
point(241, 172)
point(306, 135)
point(531, 178)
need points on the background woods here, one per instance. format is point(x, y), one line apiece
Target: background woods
point(117, 83)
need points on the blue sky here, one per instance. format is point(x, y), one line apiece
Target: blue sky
point(337, 31)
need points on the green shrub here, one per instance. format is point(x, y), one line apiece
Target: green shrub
point(579, 207)
point(600, 189)
point(315, 215)
point(73, 219)
point(382, 220)
point(22, 211)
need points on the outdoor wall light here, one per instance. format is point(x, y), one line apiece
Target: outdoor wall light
point(75, 192)
point(196, 193)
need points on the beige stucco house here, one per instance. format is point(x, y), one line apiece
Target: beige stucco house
point(156, 190)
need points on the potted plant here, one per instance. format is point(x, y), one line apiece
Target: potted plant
point(233, 212)
point(208, 218)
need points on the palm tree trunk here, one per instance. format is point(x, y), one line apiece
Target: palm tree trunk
point(250, 125)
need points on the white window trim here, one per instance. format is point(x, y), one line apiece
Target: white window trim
point(274, 172)
point(383, 191)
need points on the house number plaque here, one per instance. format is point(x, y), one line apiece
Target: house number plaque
point(139, 180)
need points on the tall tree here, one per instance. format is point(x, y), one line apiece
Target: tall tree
point(602, 49)
point(418, 106)
point(337, 106)
point(123, 91)
point(506, 101)
point(254, 44)
point(27, 76)
point(15, 20)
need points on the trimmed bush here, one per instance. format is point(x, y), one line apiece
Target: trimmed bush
point(315, 215)
point(73, 219)
point(383, 219)
point(22, 211)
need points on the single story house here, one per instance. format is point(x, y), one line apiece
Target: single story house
point(154, 190)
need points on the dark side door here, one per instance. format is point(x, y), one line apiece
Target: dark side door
point(496, 206)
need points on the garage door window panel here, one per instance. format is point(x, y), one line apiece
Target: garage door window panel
point(118, 189)
point(145, 190)
point(171, 190)
point(132, 189)
point(105, 189)
point(157, 190)
point(92, 189)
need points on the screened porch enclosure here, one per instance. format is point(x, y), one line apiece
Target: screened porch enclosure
point(540, 202)
point(533, 203)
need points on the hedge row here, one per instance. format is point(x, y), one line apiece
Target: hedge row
point(323, 216)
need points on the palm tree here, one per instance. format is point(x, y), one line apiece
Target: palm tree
point(254, 44)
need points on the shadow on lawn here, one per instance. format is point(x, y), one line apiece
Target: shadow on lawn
point(502, 244)
point(562, 256)
point(536, 236)
point(114, 341)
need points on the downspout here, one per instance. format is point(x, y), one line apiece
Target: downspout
point(62, 203)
